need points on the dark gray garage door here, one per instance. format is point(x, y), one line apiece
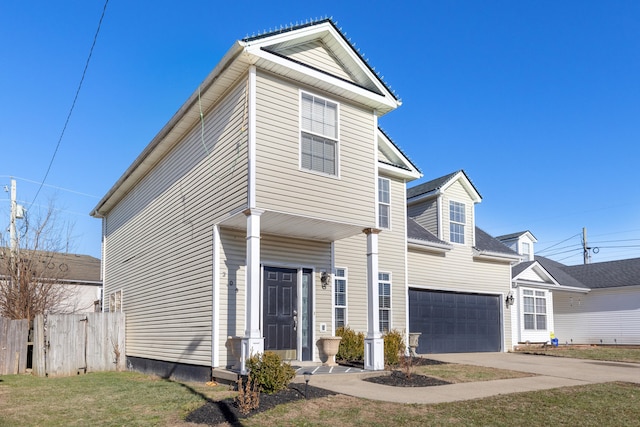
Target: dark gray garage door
point(455, 322)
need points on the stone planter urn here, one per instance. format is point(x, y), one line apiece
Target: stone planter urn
point(414, 338)
point(328, 349)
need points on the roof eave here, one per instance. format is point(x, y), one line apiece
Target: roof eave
point(422, 245)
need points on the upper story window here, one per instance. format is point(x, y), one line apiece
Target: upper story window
point(319, 135)
point(384, 203)
point(457, 220)
point(526, 251)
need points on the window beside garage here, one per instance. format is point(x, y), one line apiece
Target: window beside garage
point(340, 297)
point(384, 301)
point(534, 309)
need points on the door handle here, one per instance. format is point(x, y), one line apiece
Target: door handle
point(295, 320)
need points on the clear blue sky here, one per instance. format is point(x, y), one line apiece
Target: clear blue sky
point(538, 101)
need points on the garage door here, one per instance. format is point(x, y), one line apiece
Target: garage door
point(453, 322)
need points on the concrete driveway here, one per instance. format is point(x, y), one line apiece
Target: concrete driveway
point(550, 372)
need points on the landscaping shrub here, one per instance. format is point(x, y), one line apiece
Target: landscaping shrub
point(269, 372)
point(351, 345)
point(393, 347)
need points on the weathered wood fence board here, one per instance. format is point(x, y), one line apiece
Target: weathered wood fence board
point(13, 346)
point(77, 343)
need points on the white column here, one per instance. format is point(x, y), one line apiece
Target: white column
point(253, 341)
point(373, 343)
point(215, 303)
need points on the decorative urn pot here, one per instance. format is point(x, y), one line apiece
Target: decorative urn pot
point(328, 349)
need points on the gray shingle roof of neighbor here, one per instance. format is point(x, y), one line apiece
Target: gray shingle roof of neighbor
point(435, 184)
point(486, 242)
point(609, 274)
point(418, 232)
point(71, 267)
point(519, 268)
point(557, 270)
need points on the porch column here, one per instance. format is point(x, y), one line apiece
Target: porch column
point(253, 341)
point(373, 343)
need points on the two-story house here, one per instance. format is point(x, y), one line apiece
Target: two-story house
point(268, 211)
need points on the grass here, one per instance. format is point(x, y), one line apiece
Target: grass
point(132, 399)
point(454, 373)
point(608, 404)
point(99, 399)
point(613, 354)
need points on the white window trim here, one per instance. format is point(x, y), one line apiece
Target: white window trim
point(117, 298)
point(388, 227)
point(390, 309)
point(337, 138)
point(535, 313)
point(463, 224)
point(346, 295)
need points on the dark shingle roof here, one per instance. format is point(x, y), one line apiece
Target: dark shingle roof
point(519, 268)
point(511, 236)
point(610, 274)
point(436, 184)
point(558, 272)
point(486, 242)
point(418, 232)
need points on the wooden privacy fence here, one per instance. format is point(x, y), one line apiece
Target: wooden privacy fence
point(13, 346)
point(70, 344)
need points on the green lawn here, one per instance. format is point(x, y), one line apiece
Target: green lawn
point(614, 354)
point(119, 399)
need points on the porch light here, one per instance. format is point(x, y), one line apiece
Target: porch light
point(508, 300)
point(324, 279)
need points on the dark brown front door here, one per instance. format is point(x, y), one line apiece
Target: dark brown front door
point(280, 311)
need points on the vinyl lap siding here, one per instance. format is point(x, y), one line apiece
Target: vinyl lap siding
point(611, 315)
point(351, 253)
point(281, 183)
point(159, 237)
point(316, 54)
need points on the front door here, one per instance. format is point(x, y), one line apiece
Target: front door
point(280, 311)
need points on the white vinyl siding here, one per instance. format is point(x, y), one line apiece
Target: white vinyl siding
point(159, 237)
point(279, 181)
point(340, 297)
point(384, 200)
point(603, 316)
point(316, 54)
point(425, 213)
point(319, 134)
point(384, 301)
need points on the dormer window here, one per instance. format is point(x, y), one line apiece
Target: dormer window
point(457, 220)
point(526, 251)
point(319, 135)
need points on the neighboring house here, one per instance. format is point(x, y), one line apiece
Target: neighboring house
point(597, 303)
point(459, 276)
point(267, 212)
point(78, 275)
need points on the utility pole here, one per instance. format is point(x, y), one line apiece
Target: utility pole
point(585, 247)
point(13, 240)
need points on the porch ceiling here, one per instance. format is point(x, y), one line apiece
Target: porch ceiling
point(300, 227)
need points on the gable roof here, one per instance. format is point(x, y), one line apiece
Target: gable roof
point(348, 76)
point(393, 160)
point(439, 185)
point(65, 268)
point(487, 244)
point(557, 270)
point(517, 235)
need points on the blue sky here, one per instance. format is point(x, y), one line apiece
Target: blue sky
point(538, 101)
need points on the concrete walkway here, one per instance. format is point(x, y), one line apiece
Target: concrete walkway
point(550, 372)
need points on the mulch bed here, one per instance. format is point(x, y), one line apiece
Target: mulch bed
point(218, 412)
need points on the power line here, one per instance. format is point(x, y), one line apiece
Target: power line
point(73, 104)
point(559, 243)
point(51, 186)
